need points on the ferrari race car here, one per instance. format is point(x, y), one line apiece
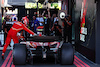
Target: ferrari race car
point(42, 46)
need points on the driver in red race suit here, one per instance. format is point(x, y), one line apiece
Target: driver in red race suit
point(25, 20)
point(12, 34)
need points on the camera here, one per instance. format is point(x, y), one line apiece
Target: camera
point(67, 17)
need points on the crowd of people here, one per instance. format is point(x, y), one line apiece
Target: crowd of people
point(50, 24)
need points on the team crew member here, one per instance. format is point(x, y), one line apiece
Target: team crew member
point(12, 34)
point(25, 20)
point(6, 27)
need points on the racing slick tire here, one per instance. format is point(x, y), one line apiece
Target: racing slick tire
point(19, 54)
point(67, 54)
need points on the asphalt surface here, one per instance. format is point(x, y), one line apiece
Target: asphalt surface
point(79, 61)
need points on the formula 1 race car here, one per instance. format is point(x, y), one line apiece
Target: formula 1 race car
point(42, 46)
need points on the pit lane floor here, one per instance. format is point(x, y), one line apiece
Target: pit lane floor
point(79, 61)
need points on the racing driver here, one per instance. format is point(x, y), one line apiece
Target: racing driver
point(12, 34)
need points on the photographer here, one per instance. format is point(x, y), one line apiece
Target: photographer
point(67, 28)
point(57, 28)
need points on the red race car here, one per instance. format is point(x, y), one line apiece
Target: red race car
point(42, 46)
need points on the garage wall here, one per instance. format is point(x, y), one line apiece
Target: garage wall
point(98, 33)
point(0, 16)
point(87, 48)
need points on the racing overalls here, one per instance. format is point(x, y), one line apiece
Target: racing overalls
point(12, 33)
